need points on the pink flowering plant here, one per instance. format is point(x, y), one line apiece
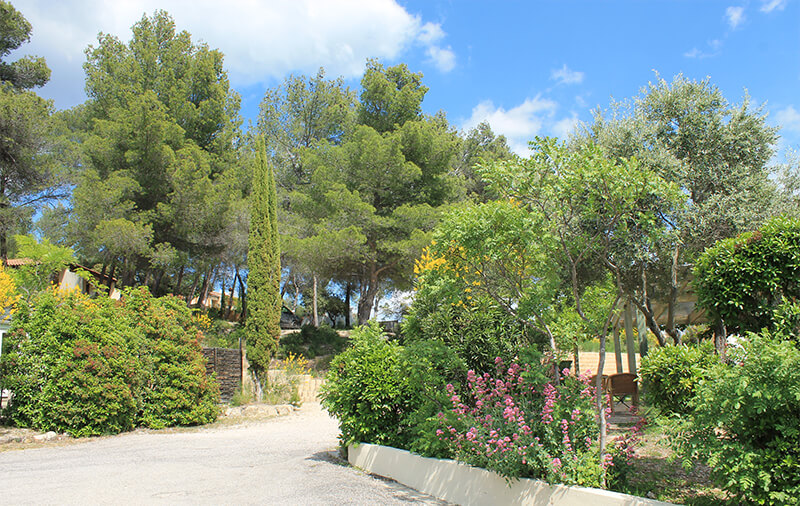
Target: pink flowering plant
point(622, 453)
point(520, 423)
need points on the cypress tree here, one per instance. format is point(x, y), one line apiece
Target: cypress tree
point(264, 263)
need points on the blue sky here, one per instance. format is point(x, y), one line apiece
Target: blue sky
point(528, 67)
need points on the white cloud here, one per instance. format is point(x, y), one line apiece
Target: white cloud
point(566, 76)
point(443, 58)
point(771, 5)
point(565, 126)
point(694, 53)
point(261, 40)
point(520, 124)
point(788, 119)
point(735, 16)
point(713, 50)
point(430, 33)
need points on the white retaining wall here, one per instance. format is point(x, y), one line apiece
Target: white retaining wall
point(466, 485)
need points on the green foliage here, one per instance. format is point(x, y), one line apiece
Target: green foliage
point(159, 187)
point(264, 263)
point(716, 152)
point(360, 199)
point(746, 422)
point(72, 367)
point(365, 389)
point(92, 366)
point(47, 260)
point(390, 96)
point(223, 334)
point(175, 389)
point(429, 365)
point(27, 72)
point(671, 375)
point(388, 394)
point(311, 342)
point(480, 146)
point(744, 280)
point(29, 146)
point(477, 334)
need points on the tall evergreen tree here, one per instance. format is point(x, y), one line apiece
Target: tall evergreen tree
point(29, 174)
point(264, 305)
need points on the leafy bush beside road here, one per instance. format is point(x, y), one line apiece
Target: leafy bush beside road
point(97, 366)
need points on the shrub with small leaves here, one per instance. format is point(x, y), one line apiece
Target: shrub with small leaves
point(671, 374)
point(97, 366)
point(175, 388)
point(70, 366)
point(746, 422)
point(311, 342)
point(743, 280)
point(365, 389)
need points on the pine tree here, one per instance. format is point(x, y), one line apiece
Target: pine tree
point(264, 304)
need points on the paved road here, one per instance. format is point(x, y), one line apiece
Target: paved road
point(286, 460)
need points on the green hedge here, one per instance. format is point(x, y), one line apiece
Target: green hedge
point(97, 366)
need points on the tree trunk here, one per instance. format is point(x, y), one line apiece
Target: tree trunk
point(600, 398)
point(576, 365)
point(347, 291)
point(316, 314)
point(296, 292)
point(4, 204)
point(190, 295)
point(243, 298)
point(222, 298)
point(111, 276)
point(157, 284)
point(178, 283)
point(230, 299)
point(203, 290)
point(368, 292)
point(720, 339)
point(208, 283)
point(673, 299)
point(650, 319)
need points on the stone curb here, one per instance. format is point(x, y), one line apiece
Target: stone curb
point(256, 410)
point(471, 486)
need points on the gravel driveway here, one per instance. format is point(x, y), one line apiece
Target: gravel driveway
point(285, 460)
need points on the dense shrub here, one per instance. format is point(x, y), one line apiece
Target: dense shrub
point(312, 341)
point(518, 423)
point(429, 365)
point(478, 332)
point(70, 366)
point(175, 389)
point(386, 393)
point(365, 389)
point(743, 280)
point(95, 366)
point(746, 422)
point(672, 373)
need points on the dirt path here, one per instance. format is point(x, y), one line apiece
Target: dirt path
point(285, 460)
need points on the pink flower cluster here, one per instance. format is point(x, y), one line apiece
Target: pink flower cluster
point(508, 423)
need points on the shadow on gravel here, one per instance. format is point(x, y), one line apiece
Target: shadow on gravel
point(330, 456)
point(398, 490)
